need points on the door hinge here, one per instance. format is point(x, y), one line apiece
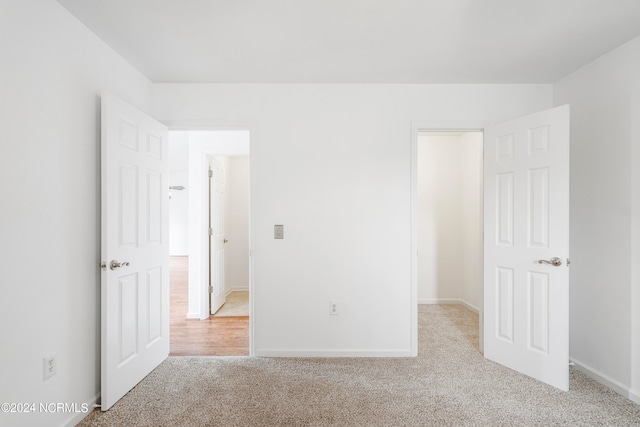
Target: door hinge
point(210, 173)
point(210, 231)
point(210, 289)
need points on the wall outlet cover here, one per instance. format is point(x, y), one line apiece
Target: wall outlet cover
point(49, 366)
point(333, 308)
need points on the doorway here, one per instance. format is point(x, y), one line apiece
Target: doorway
point(449, 218)
point(191, 154)
point(525, 292)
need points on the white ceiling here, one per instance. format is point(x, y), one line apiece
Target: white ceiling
point(359, 41)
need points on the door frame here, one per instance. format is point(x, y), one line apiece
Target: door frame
point(437, 126)
point(212, 125)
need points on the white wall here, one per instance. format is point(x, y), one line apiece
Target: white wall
point(237, 224)
point(605, 246)
point(332, 163)
point(179, 214)
point(179, 203)
point(635, 248)
point(449, 227)
point(472, 205)
point(53, 71)
point(439, 219)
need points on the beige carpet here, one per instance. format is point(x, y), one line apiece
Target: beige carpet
point(237, 305)
point(449, 384)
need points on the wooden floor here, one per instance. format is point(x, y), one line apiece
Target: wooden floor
point(216, 336)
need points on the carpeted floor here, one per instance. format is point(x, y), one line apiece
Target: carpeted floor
point(449, 384)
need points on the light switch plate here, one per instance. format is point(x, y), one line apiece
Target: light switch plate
point(278, 231)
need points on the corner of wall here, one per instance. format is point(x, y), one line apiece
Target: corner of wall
point(605, 184)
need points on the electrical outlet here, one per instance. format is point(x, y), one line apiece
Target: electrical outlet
point(50, 366)
point(278, 231)
point(333, 308)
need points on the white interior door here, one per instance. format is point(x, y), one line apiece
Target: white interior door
point(526, 211)
point(135, 247)
point(217, 238)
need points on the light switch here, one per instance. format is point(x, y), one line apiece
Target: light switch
point(278, 231)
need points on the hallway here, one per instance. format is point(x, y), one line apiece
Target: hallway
point(215, 336)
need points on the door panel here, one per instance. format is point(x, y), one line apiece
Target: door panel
point(526, 300)
point(505, 209)
point(505, 303)
point(539, 208)
point(135, 297)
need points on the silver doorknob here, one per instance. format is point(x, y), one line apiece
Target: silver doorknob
point(115, 264)
point(555, 261)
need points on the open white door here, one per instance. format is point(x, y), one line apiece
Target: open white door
point(217, 238)
point(135, 249)
point(526, 245)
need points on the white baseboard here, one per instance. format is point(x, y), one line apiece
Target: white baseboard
point(448, 301)
point(193, 316)
point(607, 381)
point(469, 306)
point(332, 353)
point(76, 418)
point(237, 289)
point(438, 301)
